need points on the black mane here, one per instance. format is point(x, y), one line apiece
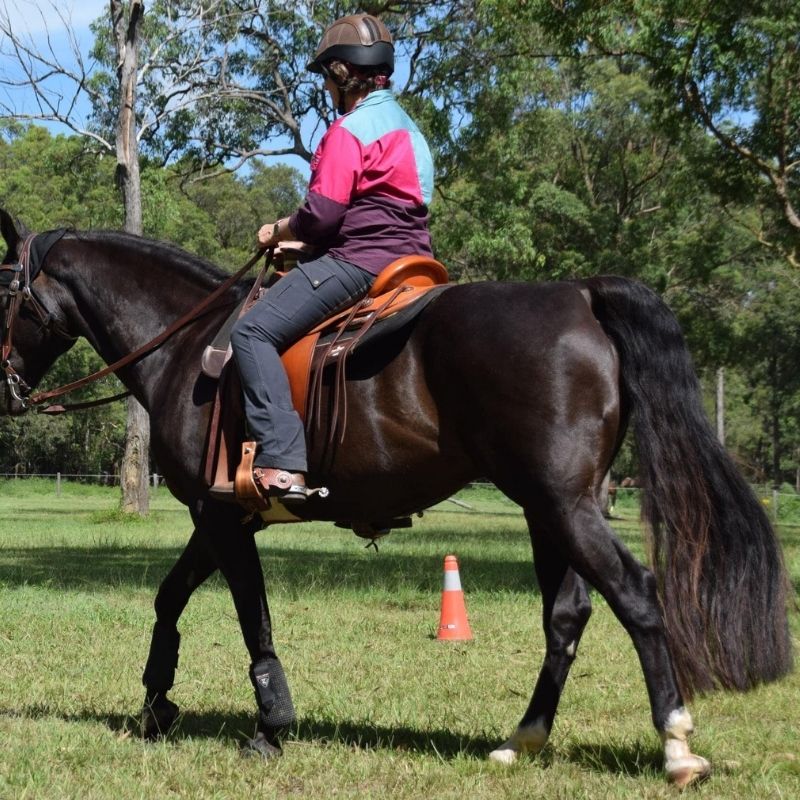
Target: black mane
point(193, 267)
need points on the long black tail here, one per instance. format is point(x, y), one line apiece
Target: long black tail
point(722, 582)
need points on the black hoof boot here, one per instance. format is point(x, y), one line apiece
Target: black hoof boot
point(158, 716)
point(263, 746)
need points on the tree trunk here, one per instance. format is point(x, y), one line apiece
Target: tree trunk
point(720, 405)
point(135, 462)
point(776, 450)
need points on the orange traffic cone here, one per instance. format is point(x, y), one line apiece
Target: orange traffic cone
point(453, 623)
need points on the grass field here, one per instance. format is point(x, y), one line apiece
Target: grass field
point(384, 709)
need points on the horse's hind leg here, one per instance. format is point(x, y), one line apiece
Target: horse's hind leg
point(191, 569)
point(594, 552)
point(566, 611)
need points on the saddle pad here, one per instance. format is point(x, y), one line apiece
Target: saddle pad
point(385, 325)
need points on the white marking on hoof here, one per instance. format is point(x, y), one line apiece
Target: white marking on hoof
point(684, 771)
point(681, 765)
point(530, 739)
point(504, 755)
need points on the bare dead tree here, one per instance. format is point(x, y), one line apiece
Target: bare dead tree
point(127, 31)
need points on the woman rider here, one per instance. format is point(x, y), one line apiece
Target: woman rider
point(367, 205)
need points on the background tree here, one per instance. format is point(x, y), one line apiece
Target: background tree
point(645, 139)
point(126, 24)
point(54, 181)
point(573, 159)
point(730, 68)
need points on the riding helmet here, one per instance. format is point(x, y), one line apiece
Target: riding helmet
point(360, 39)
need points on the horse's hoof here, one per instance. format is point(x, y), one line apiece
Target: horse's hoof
point(504, 755)
point(158, 716)
point(259, 745)
point(683, 772)
point(528, 739)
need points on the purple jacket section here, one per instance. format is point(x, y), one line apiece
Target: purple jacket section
point(371, 233)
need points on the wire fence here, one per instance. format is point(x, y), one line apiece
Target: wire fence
point(98, 479)
point(476, 498)
point(781, 505)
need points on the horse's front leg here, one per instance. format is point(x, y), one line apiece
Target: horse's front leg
point(237, 556)
point(195, 564)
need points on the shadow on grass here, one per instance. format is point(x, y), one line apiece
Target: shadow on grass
point(286, 569)
point(443, 743)
point(235, 728)
point(629, 759)
point(632, 759)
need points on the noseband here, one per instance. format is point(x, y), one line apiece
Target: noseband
point(18, 278)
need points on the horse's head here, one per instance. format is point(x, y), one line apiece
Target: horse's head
point(31, 337)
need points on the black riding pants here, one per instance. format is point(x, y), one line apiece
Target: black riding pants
point(300, 300)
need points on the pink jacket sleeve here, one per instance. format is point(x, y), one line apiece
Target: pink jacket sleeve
point(335, 171)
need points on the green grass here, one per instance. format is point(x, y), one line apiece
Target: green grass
point(383, 708)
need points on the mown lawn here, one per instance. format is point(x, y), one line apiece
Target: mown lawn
point(384, 709)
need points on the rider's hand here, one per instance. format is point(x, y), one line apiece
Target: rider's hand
point(268, 235)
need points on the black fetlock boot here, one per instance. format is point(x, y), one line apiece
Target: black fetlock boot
point(275, 709)
point(159, 713)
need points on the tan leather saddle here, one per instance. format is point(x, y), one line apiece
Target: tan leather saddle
point(404, 282)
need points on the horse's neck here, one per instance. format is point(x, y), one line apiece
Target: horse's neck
point(123, 302)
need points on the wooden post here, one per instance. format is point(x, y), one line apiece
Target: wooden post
point(720, 405)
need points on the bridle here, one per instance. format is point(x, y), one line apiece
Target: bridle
point(22, 275)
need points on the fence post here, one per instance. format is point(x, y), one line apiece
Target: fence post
point(155, 480)
point(774, 504)
point(58, 484)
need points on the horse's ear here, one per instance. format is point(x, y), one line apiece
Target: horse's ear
point(14, 232)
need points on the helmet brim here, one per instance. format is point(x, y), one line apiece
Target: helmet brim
point(375, 55)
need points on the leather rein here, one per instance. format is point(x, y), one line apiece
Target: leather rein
point(20, 292)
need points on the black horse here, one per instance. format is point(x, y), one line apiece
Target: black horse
point(531, 386)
